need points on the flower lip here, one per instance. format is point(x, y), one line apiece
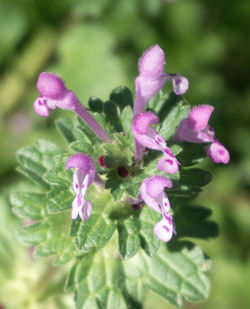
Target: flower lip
point(82, 162)
point(152, 62)
point(143, 120)
point(156, 184)
point(50, 85)
point(199, 116)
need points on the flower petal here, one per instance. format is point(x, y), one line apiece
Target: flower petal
point(151, 64)
point(199, 116)
point(164, 230)
point(75, 208)
point(142, 121)
point(218, 153)
point(168, 164)
point(185, 133)
point(85, 211)
point(40, 107)
point(83, 163)
point(180, 84)
point(50, 85)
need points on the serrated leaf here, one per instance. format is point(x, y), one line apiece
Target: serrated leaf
point(127, 118)
point(59, 199)
point(67, 129)
point(112, 116)
point(171, 113)
point(32, 234)
point(27, 205)
point(149, 242)
point(98, 229)
point(96, 278)
point(35, 161)
point(175, 275)
point(128, 236)
point(122, 96)
point(89, 135)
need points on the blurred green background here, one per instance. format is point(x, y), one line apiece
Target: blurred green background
point(94, 45)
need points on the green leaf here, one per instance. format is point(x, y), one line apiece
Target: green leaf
point(193, 221)
point(192, 154)
point(195, 177)
point(126, 119)
point(149, 242)
point(122, 96)
point(32, 234)
point(67, 129)
point(175, 275)
point(27, 205)
point(35, 161)
point(98, 229)
point(90, 136)
point(128, 235)
point(171, 113)
point(96, 278)
point(112, 117)
point(59, 199)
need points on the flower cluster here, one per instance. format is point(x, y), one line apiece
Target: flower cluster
point(150, 81)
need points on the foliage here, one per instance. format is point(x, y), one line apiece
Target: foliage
point(116, 256)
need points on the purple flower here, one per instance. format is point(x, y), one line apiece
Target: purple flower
point(84, 175)
point(152, 192)
point(53, 93)
point(148, 137)
point(152, 78)
point(195, 129)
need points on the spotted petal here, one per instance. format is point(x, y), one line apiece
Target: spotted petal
point(218, 153)
point(152, 192)
point(164, 229)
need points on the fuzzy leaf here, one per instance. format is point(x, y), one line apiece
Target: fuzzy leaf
point(171, 113)
point(175, 275)
point(96, 280)
point(36, 160)
point(67, 129)
point(59, 198)
point(27, 205)
point(129, 240)
point(98, 229)
point(112, 116)
point(122, 96)
point(149, 242)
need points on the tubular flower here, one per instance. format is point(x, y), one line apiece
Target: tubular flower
point(84, 175)
point(195, 129)
point(152, 78)
point(53, 93)
point(148, 137)
point(152, 192)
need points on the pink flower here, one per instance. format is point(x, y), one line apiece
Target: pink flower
point(195, 129)
point(152, 192)
point(152, 78)
point(148, 137)
point(83, 176)
point(53, 93)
